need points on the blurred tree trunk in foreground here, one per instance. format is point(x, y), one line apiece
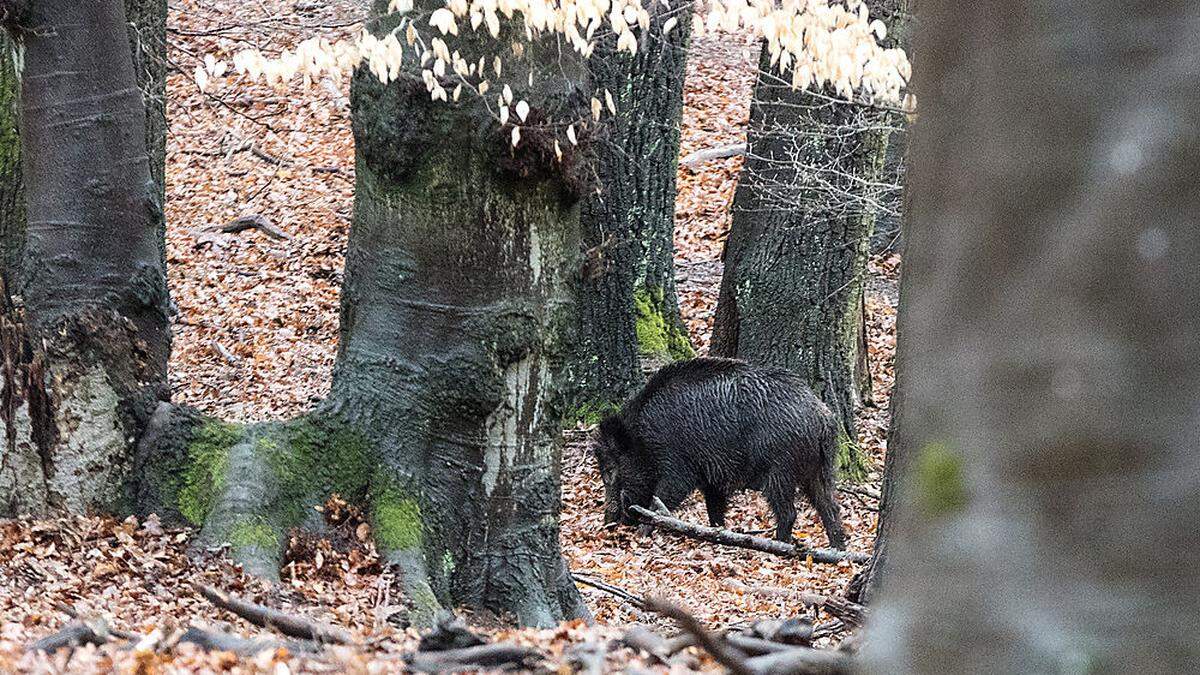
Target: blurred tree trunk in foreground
point(1051, 383)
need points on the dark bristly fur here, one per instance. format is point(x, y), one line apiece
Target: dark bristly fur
point(721, 426)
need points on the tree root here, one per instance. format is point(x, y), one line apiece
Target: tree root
point(288, 624)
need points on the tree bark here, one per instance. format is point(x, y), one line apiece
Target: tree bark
point(629, 311)
point(896, 465)
point(12, 197)
point(85, 347)
point(1050, 390)
point(458, 304)
point(795, 260)
point(146, 21)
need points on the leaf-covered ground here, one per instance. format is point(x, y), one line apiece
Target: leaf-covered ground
point(255, 338)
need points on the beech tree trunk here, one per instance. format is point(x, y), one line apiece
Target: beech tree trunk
point(448, 394)
point(1050, 379)
point(629, 311)
point(896, 466)
point(796, 258)
point(12, 196)
point(146, 21)
point(85, 342)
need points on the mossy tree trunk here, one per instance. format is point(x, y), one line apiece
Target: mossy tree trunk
point(458, 309)
point(12, 196)
point(448, 392)
point(85, 338)
point(1050, 379)
point(796, 257)
point(628, 308)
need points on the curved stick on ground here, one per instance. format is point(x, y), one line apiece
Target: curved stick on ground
point(610, 589)
point(471, 658)
point(726, 654)
point(73, 635)
point(216, 641)
point(288, 624)
point(802, 661)
point(717, 535)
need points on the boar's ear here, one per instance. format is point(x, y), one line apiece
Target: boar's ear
point(613, 427)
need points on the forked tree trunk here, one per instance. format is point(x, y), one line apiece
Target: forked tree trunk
point(796, 258)
point(85, 350)
point(628, 307)
point(1050, 378)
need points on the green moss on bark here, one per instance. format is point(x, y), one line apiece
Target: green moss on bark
point(591, 413)
point(851, 460)
point(208, 463)
point(941, 490)
point(254, 531)
point(656, 334)
point(397, 520)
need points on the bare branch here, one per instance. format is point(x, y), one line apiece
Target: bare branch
point(727, 655)
point(288, 624)
point(724, 537)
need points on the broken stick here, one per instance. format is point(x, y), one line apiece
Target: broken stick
point(724, 537)
point(265, 617)
point(726, 654)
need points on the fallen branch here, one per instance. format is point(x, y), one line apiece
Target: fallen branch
point(255, 222)
point(802, 661)
point(72, 635)
point(851, 613)
point(641, 638)
point(724, 537)
point(115, 632)
point(692, 160)
point(216, 641)
point(756, 646)
point(472, 658)
point(288, 624)
point(610, 589)
point(727, 655)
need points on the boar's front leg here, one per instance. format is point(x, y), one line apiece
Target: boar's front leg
point(716, 502)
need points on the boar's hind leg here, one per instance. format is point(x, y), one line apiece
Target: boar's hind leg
point(781, 496)
point(717, 502)
point(820, 493)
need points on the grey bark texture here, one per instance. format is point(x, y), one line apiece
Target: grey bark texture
point(795, 261)
point(459, 302)
point(12, 196)
point(1050, 376)
point(629, 312)
point(146, 21)
point(85, 340)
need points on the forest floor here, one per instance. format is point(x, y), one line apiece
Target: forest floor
point(255, 339)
